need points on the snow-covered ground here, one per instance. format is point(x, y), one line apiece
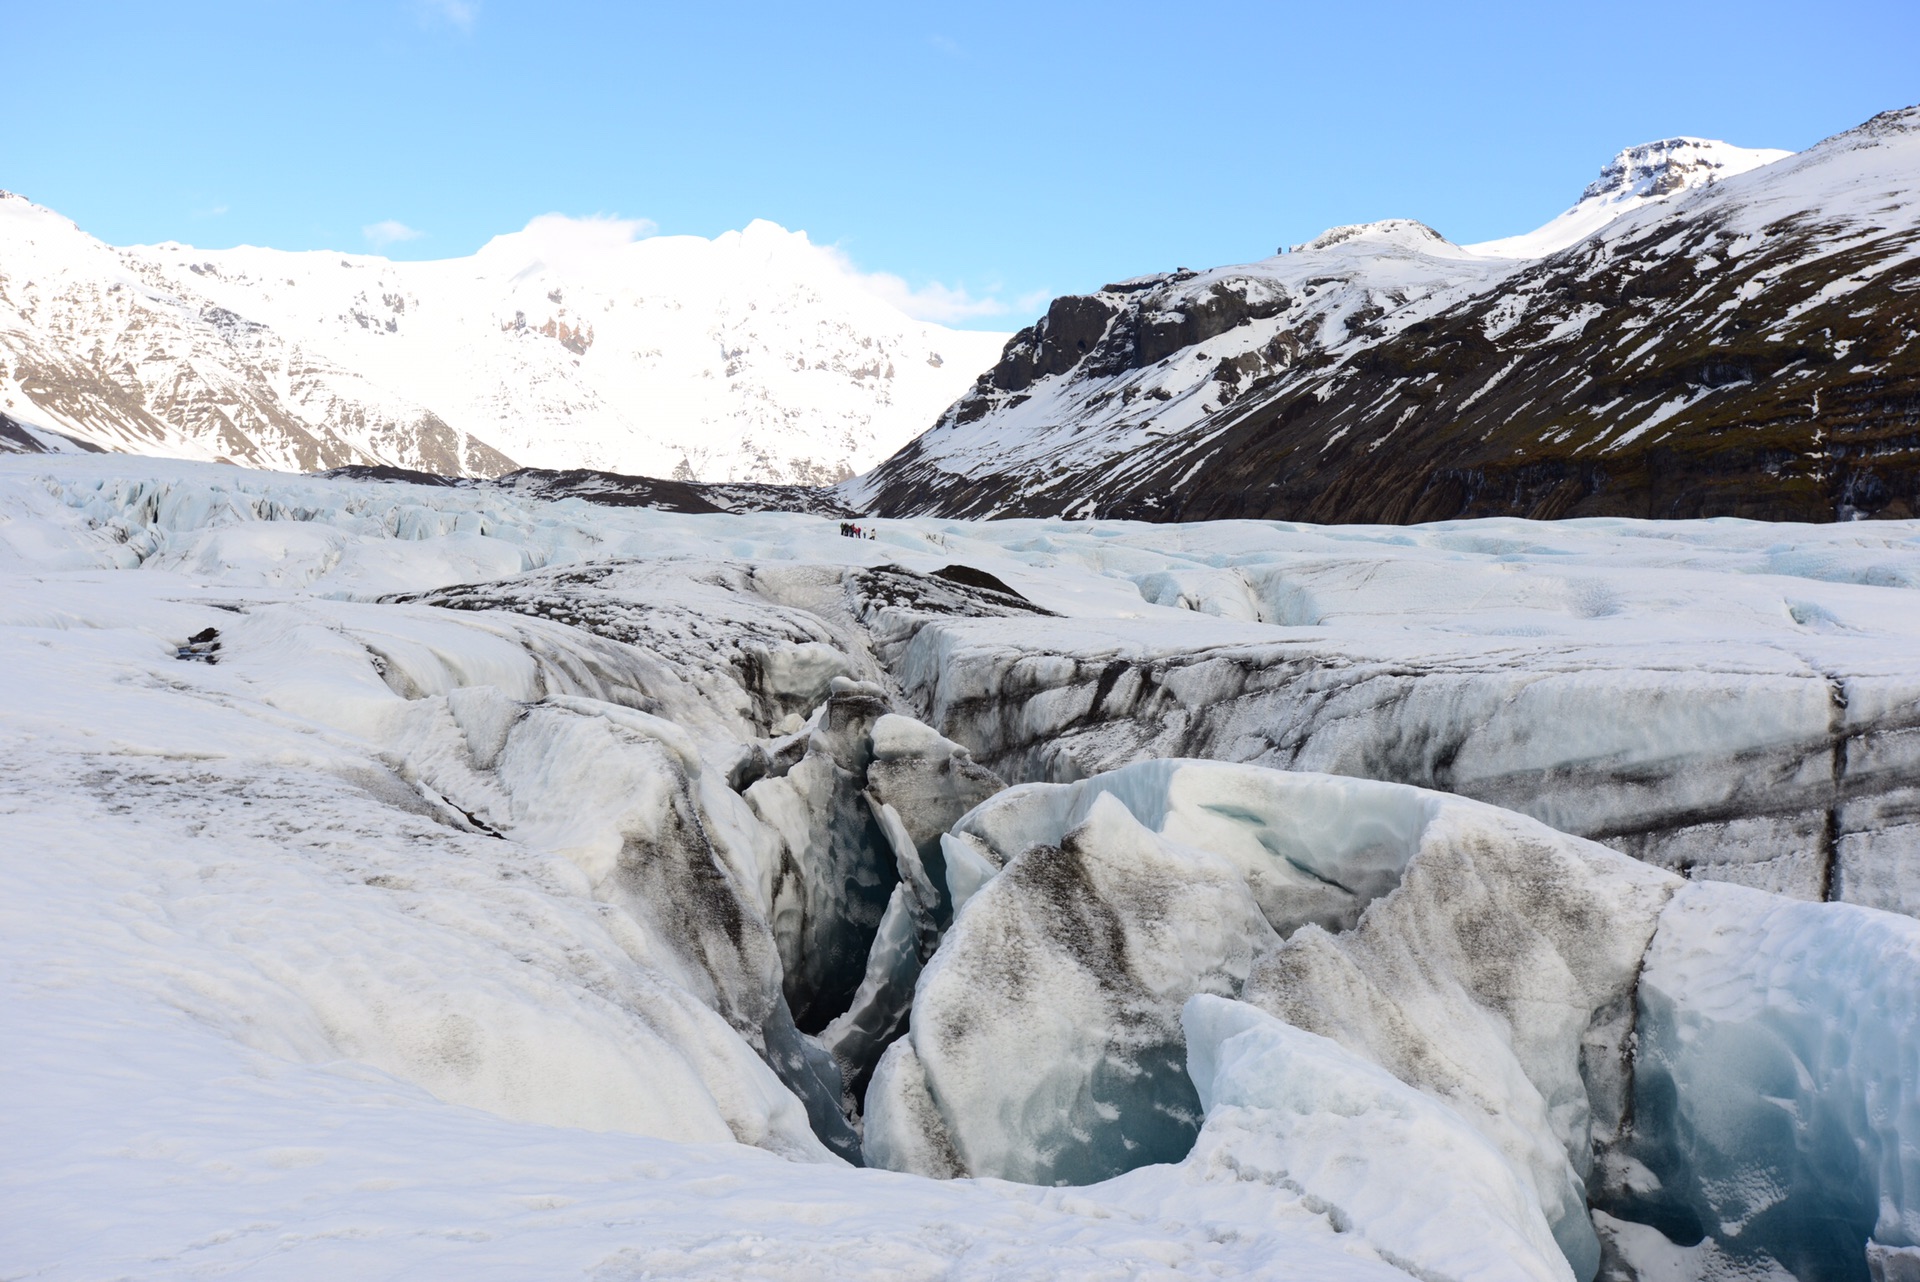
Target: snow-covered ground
point(528, 922)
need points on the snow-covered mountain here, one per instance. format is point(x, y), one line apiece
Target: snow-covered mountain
point(755, 356)
point(1637, 176)
point(1709, 331)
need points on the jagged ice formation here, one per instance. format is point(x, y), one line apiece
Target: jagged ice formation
point(602, 883)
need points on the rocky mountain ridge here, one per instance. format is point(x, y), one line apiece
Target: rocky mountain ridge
point(1733, 337)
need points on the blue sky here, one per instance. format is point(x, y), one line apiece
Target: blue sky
point(991, 154)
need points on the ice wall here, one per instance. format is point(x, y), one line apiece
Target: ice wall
point(761, 912)
point(1497, 977)
point(1739, 763)
point(1777, 1085)
point(1048, 1022)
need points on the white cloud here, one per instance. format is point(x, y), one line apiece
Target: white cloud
point(389, 231)
point(592, 234)
point(934, 301)
point(565, 244)
point(942, 304)
point(455, 13)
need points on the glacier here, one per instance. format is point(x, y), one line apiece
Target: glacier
point(530, 887)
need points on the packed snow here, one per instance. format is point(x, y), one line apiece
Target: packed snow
point(408, 881)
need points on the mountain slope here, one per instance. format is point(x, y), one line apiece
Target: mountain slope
point(1740, 346)
point(756, 356)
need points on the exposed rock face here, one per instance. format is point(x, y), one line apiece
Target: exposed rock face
point(1719, 344)
point(17, 438)
point(617, 490)
point(610, 489)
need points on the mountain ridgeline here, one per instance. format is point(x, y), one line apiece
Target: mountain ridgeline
point(1709, 332)
point(755, 357)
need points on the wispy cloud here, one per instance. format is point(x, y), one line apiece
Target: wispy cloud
point(389, 231)
point(565, 244)
point(453, 13)
point(947, 45)
point(934, 301)
point(211, 211)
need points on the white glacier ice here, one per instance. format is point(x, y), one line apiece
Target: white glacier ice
point(1310, 848)
point(1398, 1167)
point(1048, 1023)
point(451, 909)
point(1477, 955)
point(1777, 1085)
point(1498, 977)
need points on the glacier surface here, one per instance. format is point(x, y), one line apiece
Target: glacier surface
point(521, 887)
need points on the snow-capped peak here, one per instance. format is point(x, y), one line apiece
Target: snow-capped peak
point(1637, 176)
point(1402, 231)
point(1655, 169)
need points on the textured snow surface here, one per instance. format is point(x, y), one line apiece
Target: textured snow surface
point(277, 1007)
point(527, 889)
point(1729, 699)
point(755, 356)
